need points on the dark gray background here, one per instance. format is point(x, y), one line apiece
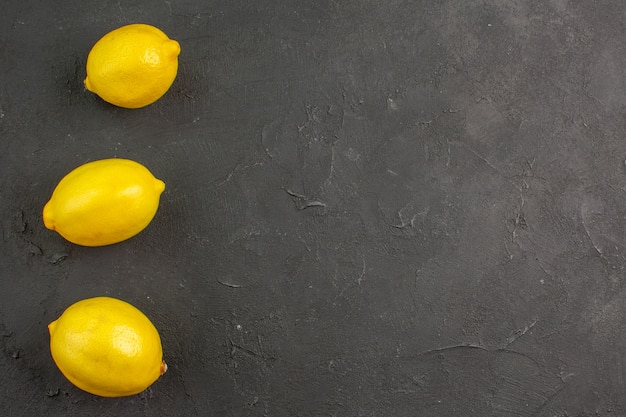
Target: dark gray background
point(373, 208)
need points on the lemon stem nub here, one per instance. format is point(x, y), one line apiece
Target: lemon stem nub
point(163, 368)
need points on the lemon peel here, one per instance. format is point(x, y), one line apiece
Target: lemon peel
point(132, 66)
point(107, 347)
point(103, 202)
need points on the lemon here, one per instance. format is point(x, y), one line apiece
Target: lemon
point(103, 202)
point(132, 66)
point(106, 347)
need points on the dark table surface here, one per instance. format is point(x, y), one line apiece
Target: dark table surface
point(373, 208)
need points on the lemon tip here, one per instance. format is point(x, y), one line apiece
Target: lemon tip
point(87, 84)
point(174, 47)
point(48, 220)
point(159, 185)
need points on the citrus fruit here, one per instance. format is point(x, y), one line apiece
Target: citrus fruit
point(106, 347)
point(103, 202)
point(132, 66)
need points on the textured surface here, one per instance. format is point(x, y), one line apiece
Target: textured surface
point(373, 208)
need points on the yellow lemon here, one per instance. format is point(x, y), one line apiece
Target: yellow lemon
point(132, 66)
point(106, 347)
point(103, 202)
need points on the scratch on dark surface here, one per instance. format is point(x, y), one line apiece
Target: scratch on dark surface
point(119, 6)
point(485, 160)
point(264, 145)
point(451, 348)
point(543, 268)
point(309, 204)
point(21, 222)
point(234, 348)
point(53, 392)
point(306, 245)
point(311, 115)
point(549, 399)
point(359, 280)
point(258, 340)
point(343, 116)
point(238, 168)
point(411, 223)
point(57, 258)
point(519, 333)
point(228, 177)
point(508, 252)
point(565, 376)
point(294, 194)
point(489, 164)
point(303, 202)
point(594, 98)
point(333, 163)
point(477, 347)
point(34, 249)
point(593, 242)
point(228, 284)
point(404, 224)
point(519, 222)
